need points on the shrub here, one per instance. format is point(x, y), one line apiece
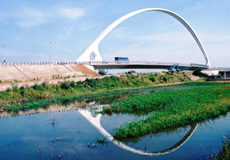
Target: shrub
point(197, 72)
point(38, 87)
point(45, 85)
point(152, 78)
point(102, 72)
point(73, 84)
point(65, 85)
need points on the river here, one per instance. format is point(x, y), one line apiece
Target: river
point(60, 131)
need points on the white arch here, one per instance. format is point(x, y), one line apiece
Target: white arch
point(93, 48)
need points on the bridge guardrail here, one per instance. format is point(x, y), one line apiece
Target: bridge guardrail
point(100, 63)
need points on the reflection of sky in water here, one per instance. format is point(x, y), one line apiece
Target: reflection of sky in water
point(67, 134)
point(29, 137)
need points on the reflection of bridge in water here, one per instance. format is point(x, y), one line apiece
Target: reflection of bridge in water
point(52, 108)
point(95, 121)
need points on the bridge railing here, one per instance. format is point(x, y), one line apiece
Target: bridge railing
point(74, 62)
point(101, 63)
point(40, 63)
point(135, 63)
point(220, 68)
point(43, 63)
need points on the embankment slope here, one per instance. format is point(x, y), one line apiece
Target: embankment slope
point(45, 71)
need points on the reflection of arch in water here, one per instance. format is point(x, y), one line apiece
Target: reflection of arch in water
point(95, 121)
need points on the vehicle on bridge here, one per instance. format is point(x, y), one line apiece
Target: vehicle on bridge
point(121, 59)
point(174, 68)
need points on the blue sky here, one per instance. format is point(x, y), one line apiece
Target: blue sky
point(30, 30)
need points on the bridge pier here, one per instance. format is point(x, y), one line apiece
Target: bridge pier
point(225, 73)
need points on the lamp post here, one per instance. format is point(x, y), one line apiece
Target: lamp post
point(3, 51)
point(50, 52)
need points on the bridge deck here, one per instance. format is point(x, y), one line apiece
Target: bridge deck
point(144, 65)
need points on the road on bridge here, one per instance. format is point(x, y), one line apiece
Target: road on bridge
point(144, 65)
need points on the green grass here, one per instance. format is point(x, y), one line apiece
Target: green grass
point(171, 109)
point(29, 97)
point(202, 83)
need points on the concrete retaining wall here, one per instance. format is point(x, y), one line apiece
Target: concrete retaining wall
point(46, 71)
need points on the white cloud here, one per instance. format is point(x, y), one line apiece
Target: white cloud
point(29, 17)
point(86, 27)
point(72, 13)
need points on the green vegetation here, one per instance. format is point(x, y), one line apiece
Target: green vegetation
point(203, 83)
point(197, 72)
point(224, 153)
point(102, 72)
point(102, 141)
point(29, 97)
point(170, 109)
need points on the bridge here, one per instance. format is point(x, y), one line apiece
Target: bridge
point(143, 65)
point(98, 63)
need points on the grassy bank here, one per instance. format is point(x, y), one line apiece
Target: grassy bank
point(170, 109)
point(29, 97)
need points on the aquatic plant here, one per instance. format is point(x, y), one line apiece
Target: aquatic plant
point(109, 110)
point(224, 153)
point(102, 141)
point(175, 108)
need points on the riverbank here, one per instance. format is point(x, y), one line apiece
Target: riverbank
point(39, 94)
point(171, 109)
point(5, 86)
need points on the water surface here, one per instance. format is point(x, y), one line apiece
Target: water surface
point(59, 131)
